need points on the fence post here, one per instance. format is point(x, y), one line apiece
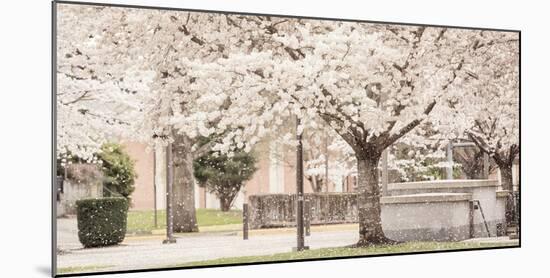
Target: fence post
point(245, 221)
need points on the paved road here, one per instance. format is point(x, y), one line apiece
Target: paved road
point(151, 253)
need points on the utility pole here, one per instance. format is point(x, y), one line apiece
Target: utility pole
point(326, 161)
point(169, 186)
point(299, 191)
point(155, 187)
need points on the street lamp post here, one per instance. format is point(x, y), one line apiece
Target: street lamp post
point(155, 187)
point(299, 191)
point(169, 186)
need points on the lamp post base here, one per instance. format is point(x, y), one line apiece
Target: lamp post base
point(296, 249)
point(169, 240)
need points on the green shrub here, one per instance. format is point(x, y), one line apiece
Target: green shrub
point(224, 175)
point(101, 222)
point(118, 171)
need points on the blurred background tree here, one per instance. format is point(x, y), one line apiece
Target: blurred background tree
point(118, 171)
point(224, 175)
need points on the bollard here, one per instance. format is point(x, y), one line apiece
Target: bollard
point(245, 221)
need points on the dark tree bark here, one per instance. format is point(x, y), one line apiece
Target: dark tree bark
point(506, 176)
point(472, 163)
point(225, 203)
point(316, 182)
point(368, 202)
point(507, 184)
point(226, 193)
point(504, 158)
point(185, 219)
point(368, 155)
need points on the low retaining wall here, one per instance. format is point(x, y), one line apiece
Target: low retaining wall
point(80, 180)
point(482, 190)
point(73, 191)
point(427, 217)
point(440, 210)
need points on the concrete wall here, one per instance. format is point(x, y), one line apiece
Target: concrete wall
point(482, 190)
point(73, 191)
point(427, 217)
point(434, 210)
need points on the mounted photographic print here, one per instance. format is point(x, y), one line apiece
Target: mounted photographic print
point(191, 138)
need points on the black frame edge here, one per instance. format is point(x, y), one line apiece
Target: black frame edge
point(281, 15)
point(54, 139)
point(54, 134)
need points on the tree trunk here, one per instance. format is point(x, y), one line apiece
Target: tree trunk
point(316, 183)
point(472, 164)
point(225, 203)
point(368, 202)
point(507, 184)
point(506, 176)
point(185, 219)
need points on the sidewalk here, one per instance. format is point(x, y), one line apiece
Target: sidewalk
point(141, 252)
point(149, 252)
point(67, 235)
point(502, 239)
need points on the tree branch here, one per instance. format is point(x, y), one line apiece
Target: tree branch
point(202, 150)
point(404, 130)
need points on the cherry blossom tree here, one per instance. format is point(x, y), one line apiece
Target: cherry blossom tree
point(490, 108)
point(96, 97)
point(243, 78)
point(152, 41)
point(419, 155)
point(372, 84)
point(487, 112)
point(112, 41)
point(327, 158)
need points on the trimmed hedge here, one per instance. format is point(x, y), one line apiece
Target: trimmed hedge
point(101, 222)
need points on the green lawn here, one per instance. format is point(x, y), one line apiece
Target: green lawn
point(80, 269)
point(143, 222)
point(410, 247)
